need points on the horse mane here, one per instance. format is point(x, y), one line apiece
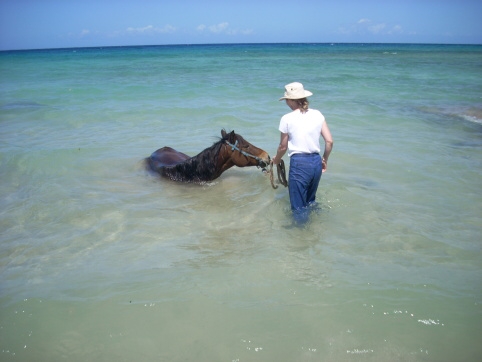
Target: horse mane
point(202, 167)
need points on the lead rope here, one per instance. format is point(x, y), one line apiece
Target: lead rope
point(280, 168)
point(271, 178)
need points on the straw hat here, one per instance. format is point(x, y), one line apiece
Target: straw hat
point(295, 91)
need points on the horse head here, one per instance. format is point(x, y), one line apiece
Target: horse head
point(241, 153)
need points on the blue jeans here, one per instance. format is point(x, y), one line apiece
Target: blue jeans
point(304, 177)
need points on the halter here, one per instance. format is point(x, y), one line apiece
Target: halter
point(235, 147)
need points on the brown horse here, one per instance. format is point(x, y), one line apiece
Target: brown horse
point(231, 150)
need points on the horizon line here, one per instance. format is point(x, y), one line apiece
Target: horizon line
point(228, 43)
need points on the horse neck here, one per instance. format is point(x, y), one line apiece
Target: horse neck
point(206, 166)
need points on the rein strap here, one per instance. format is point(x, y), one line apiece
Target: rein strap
point(244, 153)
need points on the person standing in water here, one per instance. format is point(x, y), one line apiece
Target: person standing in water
point(300, 136)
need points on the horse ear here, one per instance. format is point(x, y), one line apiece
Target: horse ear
point(223, 133)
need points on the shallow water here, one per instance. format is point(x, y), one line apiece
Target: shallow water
point(101, 260)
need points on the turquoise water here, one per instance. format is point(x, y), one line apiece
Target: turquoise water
point(100, 260)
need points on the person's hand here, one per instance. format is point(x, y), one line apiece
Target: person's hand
point(274, 161)
point(324, 165)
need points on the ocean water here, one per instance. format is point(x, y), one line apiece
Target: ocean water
point(101, 261)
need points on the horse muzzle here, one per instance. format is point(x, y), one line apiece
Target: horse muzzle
point(263, 164)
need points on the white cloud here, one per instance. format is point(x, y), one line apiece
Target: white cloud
point(367, 26)
point(397, 29)
point(218, 28)
point(377, 28)
point(223, 28)
point(84, 33)
point(151, 30)
point(247, 31)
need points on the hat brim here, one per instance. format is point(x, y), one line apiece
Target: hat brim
point(307, 94)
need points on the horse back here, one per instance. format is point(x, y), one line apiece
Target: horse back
point(166, 156)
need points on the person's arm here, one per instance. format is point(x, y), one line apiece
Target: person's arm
point(326, 134)
point(282, 148)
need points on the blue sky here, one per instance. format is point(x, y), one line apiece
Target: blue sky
point(34, 24)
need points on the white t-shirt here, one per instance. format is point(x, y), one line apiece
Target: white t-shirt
point(304, 131)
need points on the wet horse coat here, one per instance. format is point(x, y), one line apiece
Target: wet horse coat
point(231, 150)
